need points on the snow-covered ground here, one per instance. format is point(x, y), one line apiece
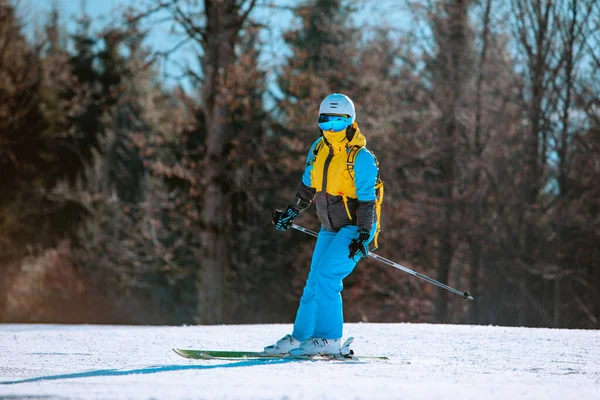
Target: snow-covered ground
point(426, 362)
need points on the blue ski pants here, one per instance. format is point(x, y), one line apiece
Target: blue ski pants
point(320, 313)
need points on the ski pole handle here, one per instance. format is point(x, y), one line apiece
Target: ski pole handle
point(276, 213)
point(464, 295)
point(275, 216)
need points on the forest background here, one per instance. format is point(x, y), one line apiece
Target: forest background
point(142, 154)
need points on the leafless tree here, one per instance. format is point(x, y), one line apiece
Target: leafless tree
point(214, 26)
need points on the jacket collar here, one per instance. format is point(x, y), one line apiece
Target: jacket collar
point(357, 140)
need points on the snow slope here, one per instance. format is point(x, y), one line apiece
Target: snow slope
point(426, 362)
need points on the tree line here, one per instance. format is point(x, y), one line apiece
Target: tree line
point(126, 199)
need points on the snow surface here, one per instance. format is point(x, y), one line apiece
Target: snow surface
point(426, 362)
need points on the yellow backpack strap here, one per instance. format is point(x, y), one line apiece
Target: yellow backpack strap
point(379, 189)
point(345, 199)
point(379, 193)
point(352, 159)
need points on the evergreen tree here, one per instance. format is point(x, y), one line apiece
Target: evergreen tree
point(84, 127)
point(23, 146)
point(144, 202)
point(323, 61)
point(124, 86)
point(253, 160)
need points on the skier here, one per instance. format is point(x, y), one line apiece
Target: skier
point(342, 177)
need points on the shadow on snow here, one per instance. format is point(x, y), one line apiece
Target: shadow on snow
point(147, 370)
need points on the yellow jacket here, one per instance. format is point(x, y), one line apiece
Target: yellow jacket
point(343, 195)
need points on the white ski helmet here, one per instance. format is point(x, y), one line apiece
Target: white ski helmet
point(338, 103)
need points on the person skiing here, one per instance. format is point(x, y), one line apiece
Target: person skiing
point(342, 177)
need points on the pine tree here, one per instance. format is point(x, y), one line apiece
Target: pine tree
point(24, 147)
point(324, 48)
point(124, 86)
point(143, 195)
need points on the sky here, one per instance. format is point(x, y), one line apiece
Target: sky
point(273, 53)
point(103, 12)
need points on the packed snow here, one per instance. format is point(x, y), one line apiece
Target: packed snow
point(425, 362)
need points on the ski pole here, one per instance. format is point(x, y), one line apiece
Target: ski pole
point(412, 272)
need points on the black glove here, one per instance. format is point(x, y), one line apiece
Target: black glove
point(360, 245)
point(283, 220)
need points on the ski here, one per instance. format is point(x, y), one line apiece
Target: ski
point(251, 355)
point(219, 354)
point(346, 354)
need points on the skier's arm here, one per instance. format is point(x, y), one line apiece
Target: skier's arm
point(302, 199)
point(306, 192)
point(365, 179)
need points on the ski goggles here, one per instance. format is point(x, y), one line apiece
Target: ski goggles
point(335, 123)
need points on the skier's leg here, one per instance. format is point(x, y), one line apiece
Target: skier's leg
point(305, 317)
point(333, 267)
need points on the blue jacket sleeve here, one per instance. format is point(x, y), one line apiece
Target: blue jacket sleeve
point(306, 177)
point(305, 192)
point(365, 179)
point(365, 175)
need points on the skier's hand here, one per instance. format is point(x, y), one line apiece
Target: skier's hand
point(283, 220)
point(360, 245)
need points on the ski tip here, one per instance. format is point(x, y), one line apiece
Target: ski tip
point(178, 352)
point(182, 353)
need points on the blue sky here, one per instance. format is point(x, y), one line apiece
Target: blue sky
point(273, 53)
point(105, 11)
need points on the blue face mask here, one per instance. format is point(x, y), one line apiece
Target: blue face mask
point(334, 122)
